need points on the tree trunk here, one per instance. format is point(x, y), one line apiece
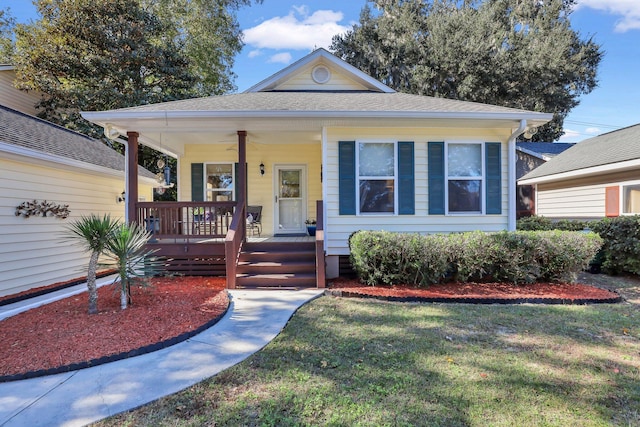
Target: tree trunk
point(123, 295)
point(91, 282)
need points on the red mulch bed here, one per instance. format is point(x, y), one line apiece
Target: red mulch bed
point(494, 293)
point(61, 336)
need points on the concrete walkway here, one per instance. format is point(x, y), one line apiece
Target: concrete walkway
point(77, 398)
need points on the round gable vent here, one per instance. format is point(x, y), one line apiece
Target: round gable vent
point(320, 74)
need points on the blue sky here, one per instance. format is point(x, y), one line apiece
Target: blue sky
point(279, 32)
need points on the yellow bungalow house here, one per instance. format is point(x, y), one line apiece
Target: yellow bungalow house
point(319, 140)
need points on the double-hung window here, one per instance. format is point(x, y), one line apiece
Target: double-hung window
point(219, 182)
point(465, 177)
point(376, 177)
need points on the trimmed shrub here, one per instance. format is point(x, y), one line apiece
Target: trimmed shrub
point(541, 223)
point(384, 258)
point(534, 223)
point(391, 258)
point(621, 248)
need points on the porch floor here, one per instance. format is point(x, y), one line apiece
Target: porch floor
point(251, 239)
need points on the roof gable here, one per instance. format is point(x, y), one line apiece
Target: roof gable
point(320, 71)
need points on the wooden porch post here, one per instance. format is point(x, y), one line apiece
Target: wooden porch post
point(242, 173)
point(132, 178)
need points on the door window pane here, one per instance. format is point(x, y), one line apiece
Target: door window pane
point(289, 184)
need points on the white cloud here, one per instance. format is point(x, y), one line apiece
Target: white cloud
point(254, 53)
point(283, 58)
point(570, 136)
point(298, 30)
point(628, 9)
point(593, 131)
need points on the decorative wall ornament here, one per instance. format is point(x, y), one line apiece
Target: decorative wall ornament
point(43, 208)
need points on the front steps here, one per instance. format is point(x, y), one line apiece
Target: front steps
point(277, 265)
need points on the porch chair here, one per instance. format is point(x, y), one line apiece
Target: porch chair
point(254, 216)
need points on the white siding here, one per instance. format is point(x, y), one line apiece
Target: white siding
point(575, 202)
point(339, 227)
point(32, 252)
point(17, 99)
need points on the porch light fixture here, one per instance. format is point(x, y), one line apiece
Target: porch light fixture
point(261, 168)
point(122, 197)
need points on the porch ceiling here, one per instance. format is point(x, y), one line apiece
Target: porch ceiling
point(171, 134)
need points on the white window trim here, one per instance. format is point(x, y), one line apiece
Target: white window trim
point(395, 177)
point(621, 197)
point(482, 178)
point(206, 176)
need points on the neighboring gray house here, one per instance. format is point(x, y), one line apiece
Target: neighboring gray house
point(597, 177)
point(529, 156)
point(45, 165)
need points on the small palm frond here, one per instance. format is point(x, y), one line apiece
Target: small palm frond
point(92, 232)
point(127, 253)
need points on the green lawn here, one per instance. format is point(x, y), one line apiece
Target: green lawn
point(349, 362)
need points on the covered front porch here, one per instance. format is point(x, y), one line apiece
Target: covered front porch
point(217, 239)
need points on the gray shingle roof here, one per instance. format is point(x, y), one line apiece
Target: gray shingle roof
point(339, 101)
point(30, 132)
point(607, 149)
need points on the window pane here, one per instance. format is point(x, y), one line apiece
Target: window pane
point(376, 159)
point(631, 200)
point(289, 183)
point(464, 196)
point(220, 177)
point(464, 160)
point(219, 196)
point(376, 196)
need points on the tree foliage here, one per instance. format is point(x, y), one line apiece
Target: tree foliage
point(92, 55)
point(210, 36)
point(515, 53)
point(115, 58)
point(6, 36)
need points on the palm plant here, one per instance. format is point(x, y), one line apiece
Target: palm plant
point(92, 232)
point(126, 249)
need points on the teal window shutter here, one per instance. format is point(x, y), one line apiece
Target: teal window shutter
point(436, 178)
point(406, 179)
point(197, 182)
point(493, 162)
point(347, 177)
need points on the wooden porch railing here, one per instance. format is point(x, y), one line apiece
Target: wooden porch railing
point(233, 243)
point(320, 258)
point(172, 220)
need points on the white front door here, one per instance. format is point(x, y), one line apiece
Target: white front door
point(290, 199)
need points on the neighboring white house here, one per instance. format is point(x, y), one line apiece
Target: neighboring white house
point(42, 162)
point(320, 129)
point(530, 155)
point(595, 178)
